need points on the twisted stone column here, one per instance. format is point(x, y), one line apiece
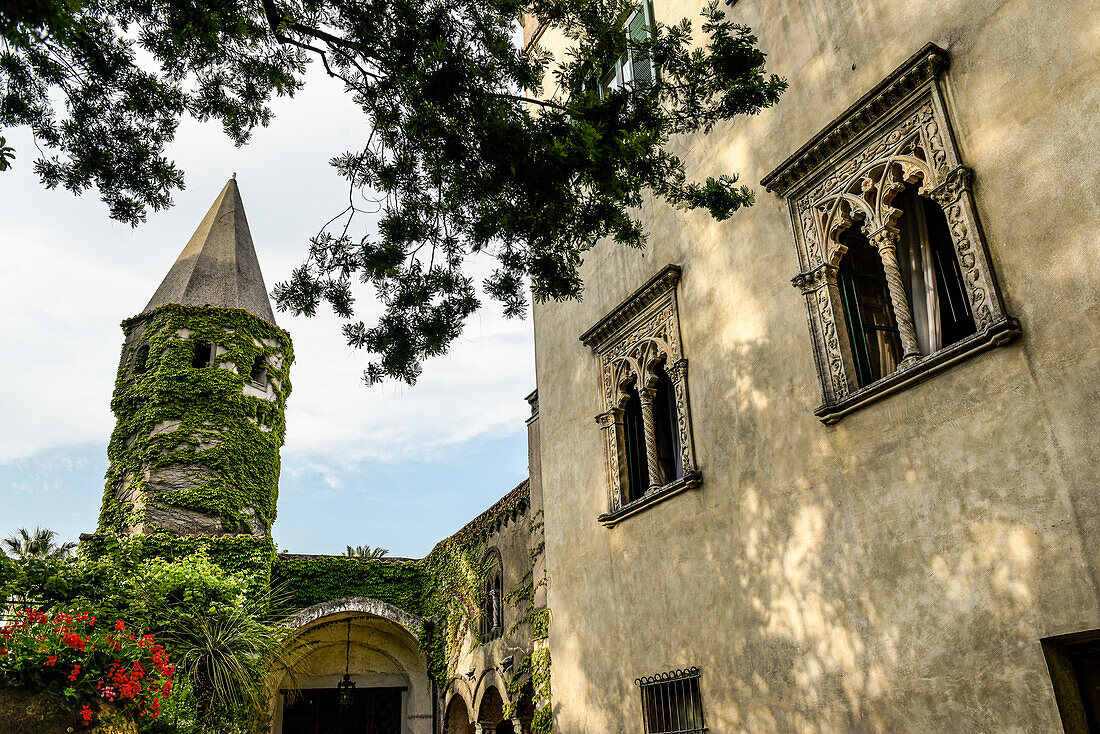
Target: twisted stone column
point(646, 394)
point(885, 241)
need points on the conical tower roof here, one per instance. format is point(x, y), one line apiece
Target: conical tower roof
point(218, 267)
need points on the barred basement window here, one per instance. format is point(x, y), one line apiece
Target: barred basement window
point(671, 703)
point(643, 389)
point(203, 354)
point(893, 267)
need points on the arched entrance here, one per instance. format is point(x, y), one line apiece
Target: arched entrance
point(490, 714)
point(377, 644)
point(458, 718)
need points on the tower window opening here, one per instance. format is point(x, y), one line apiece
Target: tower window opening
point(141, 359)
point(259, 370)
point(203, 354)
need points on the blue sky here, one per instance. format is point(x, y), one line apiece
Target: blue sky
point(396, 466)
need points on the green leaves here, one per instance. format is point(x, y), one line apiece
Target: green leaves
point(473, 147)
point(70, 73)
point(463, 161)
point(7, 154)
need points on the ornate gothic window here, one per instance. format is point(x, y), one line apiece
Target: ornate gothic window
point(892, 262)
point(643, 387)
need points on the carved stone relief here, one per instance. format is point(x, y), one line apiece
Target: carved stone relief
point(632, 344)
point(848, 176)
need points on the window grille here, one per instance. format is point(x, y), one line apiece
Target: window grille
point(671, 703)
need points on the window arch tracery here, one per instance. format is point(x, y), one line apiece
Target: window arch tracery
point(643, 383)
point(884, 169)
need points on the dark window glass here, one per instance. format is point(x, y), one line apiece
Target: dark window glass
point(1085, 660)
point(634, 438)
point(865, 299)
point(317, 711)
point(202, 355)
point(930, 271)
point(141, 359)
point(664, 422)
point(259, 370)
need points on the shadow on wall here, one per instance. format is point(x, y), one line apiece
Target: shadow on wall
point(894, 572)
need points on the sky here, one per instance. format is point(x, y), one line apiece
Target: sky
point(394, 466)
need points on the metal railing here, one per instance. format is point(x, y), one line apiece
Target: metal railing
point(671, 703)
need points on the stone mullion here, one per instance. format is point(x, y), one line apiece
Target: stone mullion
point(956, 200)
point(677, 374)
point(653, 464)
point(833, 352)
point(611, 422)
point(885, 241)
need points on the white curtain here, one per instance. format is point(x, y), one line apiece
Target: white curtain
point(917, 265)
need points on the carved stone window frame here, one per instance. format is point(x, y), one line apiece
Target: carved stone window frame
point(630, 343)
point(847, 175)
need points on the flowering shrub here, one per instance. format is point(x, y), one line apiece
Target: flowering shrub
point(83, 663)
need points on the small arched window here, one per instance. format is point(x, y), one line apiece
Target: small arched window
point(258, 374)
point(141, 359)
point(202, 355)
point(492, 622)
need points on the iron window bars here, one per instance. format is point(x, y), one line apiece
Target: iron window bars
point(671, 703)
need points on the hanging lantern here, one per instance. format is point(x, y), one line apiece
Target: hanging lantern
point(346, 687)
point(347, 691)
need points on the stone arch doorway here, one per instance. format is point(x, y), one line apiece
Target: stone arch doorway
point(490, 715)
point(378, 644)
point(458, 718)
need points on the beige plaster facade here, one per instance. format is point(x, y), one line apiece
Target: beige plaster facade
point(895, 570)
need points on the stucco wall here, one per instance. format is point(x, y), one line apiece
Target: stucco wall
point(896, 571)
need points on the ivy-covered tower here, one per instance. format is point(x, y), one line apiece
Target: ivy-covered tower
point(201, 393)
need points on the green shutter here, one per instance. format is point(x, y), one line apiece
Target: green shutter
point(639, 29)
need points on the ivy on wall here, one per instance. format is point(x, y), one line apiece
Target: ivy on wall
point(534, 668)
point(227, 442)
point(309, 580)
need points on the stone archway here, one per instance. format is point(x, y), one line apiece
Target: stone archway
point(378, 644)
point(490, 714)
point(457, 720)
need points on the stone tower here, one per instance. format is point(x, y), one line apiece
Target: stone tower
point(201, 393)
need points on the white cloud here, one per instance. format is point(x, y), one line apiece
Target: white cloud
point(71, 275)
